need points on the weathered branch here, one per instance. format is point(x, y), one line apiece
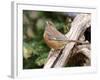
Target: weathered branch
point(78, 26)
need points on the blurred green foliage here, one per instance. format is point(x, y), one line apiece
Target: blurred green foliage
point(35, 51)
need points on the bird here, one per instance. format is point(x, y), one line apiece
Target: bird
point(54, 38)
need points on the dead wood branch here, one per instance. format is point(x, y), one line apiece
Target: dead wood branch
point(78, 27)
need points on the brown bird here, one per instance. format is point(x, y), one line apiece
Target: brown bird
point(55, 39)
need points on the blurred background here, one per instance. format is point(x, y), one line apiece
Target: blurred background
point(35, 51)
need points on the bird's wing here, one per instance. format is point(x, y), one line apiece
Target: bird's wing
point(56, 37)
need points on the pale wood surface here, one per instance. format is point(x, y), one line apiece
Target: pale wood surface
point(58, 59)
